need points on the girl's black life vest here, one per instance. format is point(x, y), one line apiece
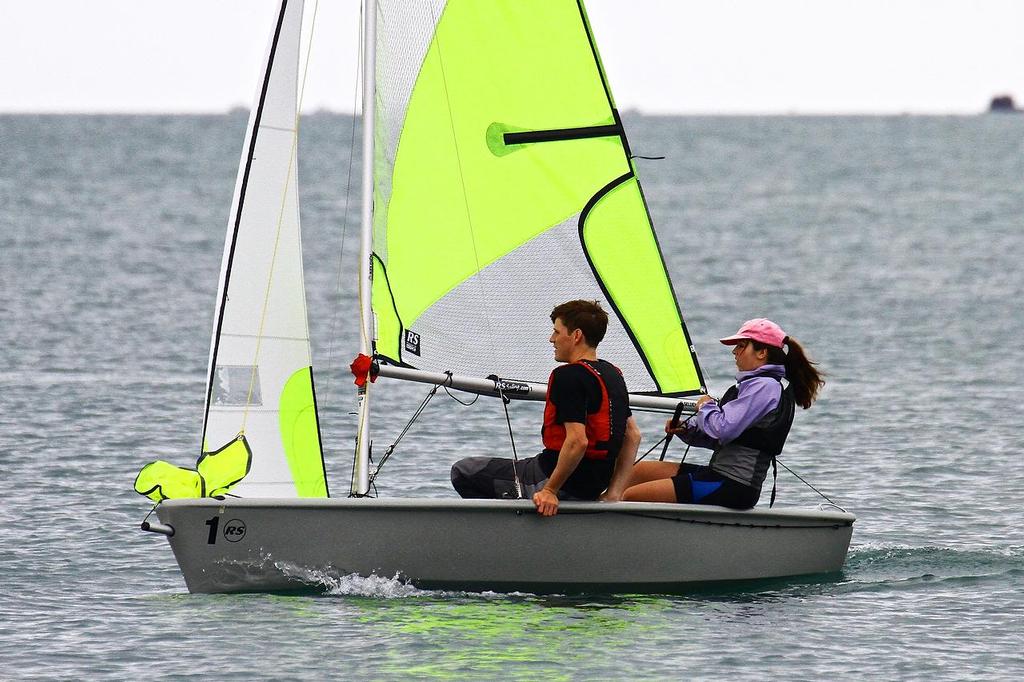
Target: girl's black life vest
point(606, 427)
point(746, 458)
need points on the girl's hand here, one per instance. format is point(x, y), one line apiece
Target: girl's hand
point(703, 400)
point(681, 427)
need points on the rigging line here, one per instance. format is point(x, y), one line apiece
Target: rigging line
point(462, 178)
point(415, 416)
point(505, 400)
point(292, 157)
point(651, 449)
point(672, 425)
point(335, 317)
point(152, 510)
point(401, 434)
point(807, 484)
point(453, 397)
point(448, 383)
point(685, 453)
point(687, 450)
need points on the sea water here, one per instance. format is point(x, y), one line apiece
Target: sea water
point(891, 247)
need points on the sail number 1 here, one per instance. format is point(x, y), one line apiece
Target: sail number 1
point(213, 523)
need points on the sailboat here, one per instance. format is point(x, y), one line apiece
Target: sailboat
point(497, 183)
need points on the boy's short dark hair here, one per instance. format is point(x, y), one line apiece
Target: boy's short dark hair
point(587, 316)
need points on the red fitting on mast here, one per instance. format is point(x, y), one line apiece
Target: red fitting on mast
point(362, 367)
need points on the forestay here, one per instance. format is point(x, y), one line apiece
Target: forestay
point(503, 186)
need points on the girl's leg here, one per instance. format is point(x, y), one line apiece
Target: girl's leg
point(661, 490)
point(644, 472)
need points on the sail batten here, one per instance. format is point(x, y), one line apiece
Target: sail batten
point(528, 136)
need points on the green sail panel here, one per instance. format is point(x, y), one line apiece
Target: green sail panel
point(492, 205)
point(300, 435)
point(216, 473)
point(638, 286)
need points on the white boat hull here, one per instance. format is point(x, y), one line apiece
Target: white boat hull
point(247, 545)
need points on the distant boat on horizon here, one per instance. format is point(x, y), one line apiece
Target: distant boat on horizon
point(1003, 104)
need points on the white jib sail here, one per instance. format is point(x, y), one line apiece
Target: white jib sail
point(260, 376)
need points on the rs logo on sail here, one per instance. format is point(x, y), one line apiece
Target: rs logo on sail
point(412, 342)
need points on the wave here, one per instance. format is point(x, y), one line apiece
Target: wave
point(377, 587)
point(329, 582)
point(397, 587)
point(890, 564)
point(873, 555)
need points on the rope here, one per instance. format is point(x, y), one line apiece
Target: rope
point(416, 414)
point(151, 511)
point(798, 476)
point(449, 382)
point(401, 435)
point(808, 484)
point(453, 397)
point(687, 450)
point(505, 400)
point(651, 448)
point(664, 439)
point(775, 460)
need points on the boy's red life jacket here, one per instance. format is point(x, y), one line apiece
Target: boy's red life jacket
point(605, 428)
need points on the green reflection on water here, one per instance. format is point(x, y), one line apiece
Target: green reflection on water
point(514, 637)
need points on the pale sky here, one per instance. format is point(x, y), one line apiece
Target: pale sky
point(685, 56)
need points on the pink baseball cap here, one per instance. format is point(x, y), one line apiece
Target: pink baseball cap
point(759, 329)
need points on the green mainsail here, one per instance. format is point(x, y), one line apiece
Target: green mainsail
point(504, 186)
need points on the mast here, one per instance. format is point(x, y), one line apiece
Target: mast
point(361, 475)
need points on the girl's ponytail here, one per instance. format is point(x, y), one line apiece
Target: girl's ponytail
point(802, 373)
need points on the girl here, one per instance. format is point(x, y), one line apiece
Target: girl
point(746, 428)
